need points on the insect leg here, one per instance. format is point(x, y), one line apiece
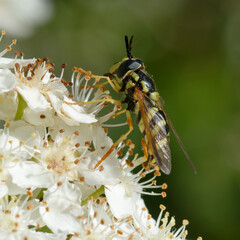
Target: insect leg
point(145, 150)
point(123, 137)
point(94, 86)
point(114, 84)
point(106, 99)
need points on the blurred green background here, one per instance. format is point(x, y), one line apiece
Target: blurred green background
point(192, 49)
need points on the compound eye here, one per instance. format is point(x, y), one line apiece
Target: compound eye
point(127, 67)
point(133, 65)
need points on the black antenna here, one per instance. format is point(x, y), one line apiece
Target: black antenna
point(129, 46)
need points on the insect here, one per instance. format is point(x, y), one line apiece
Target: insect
point(130, 77)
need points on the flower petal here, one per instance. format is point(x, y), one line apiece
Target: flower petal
point(10, 63)
point(34, 99)
point(121, 204)
point(30, 174)
point(7, 80)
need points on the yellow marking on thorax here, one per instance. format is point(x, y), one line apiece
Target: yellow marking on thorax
point(135, 76)
point(144, 87)
point(130, 84)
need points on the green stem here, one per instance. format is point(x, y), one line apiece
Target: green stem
point(21, 106)
point(95, 195)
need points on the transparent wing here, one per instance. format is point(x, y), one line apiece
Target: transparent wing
point(156, 131)
point(160, 105)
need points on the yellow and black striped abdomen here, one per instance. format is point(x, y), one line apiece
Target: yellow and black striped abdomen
point(157, 122)
point(154, 127)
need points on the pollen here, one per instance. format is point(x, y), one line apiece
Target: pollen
point(95, 214)
point(64, 65)
point(77, 145)
point(103, 89)
point(17, 53)
point(105, 130)
point(142, 175)
point(162, 207)
point(131, 236)
point(8, 48)
point(59, 184)
point(101, 168)
point(164, 186)
point(76, 133)
point(82, 179)
point(185, 222)
point(130, 152)
point(29, 207)
point(130, 164)
point(87, 143)
point(119, 232)
point(29, 193)
point(154, 182)
point(164, 194)
point(120, 153)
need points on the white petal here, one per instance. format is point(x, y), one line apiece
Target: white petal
point(35, 118)
point(3, 189)
point(121, 204)
point(8, 105)
point(71, 114)
point(14, 189)
point(64, 204)
point(34, 99)
point(7, 80)
point(10, 63)
point(30, 174)
point(77, 113)
point(20, 130)
point(110, 173)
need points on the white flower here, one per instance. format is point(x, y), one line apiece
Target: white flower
point(97, 222)
point(162, 229)
point(61, 208)
point(123, 195)
point(8, 97)
point(19, 219)
point(16, 144)
point(19, 18)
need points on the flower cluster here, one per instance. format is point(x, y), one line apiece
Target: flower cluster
point(50, 142)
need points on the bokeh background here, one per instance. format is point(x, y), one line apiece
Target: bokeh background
point(192, 49)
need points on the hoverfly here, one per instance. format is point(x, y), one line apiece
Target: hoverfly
point(130, 76)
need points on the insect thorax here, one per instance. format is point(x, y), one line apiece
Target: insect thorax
point(141, 80)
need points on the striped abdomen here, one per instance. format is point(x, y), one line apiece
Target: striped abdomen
point(154, 127)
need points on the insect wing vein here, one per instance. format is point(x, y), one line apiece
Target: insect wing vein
point(156, 131)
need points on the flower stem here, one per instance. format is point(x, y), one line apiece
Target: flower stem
point(95, 195)
point(21, 106)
